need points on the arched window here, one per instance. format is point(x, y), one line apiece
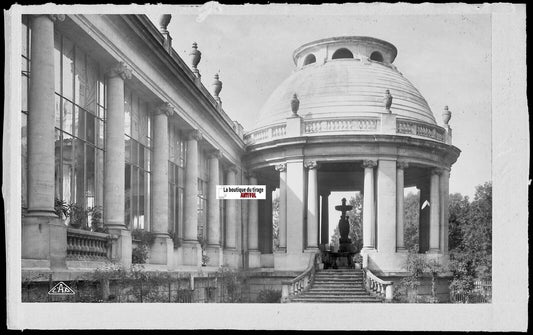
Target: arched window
point(342, 53)
point(309, 59)
point(376, 56)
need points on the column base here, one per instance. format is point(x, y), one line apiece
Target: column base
point(401, 250)
point(213, 252)
point(161, 251)
point(44, 241)
point(232, 258)
point(192, 253)
point(121, 246)
point(254, 259)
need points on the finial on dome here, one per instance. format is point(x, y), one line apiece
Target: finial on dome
point(196, 56)
point(217, 87)
point(164, 20)
point(295, 104)
point(387, 101)
point(446, 115)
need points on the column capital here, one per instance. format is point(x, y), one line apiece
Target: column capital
point(281, 167)
point(215, 153)
point(436, 171)
point(120, 69)
point(251, 174)
point(232, 168)
point(369, 163)
point(325, 193)
point(56, 17)
point(164, 108)
point(402, 165)
point(311, 165)
point(194, 134)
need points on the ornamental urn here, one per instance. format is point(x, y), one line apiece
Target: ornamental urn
point(196, 55)
point(217, 86)
point(164, 20)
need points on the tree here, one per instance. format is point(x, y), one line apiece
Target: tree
point(458, 212)
point(411, 221)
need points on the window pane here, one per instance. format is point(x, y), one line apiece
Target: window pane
point(127, 111)
point(127, 195)
point(135, 196)
point(179, 210)
point(141, 155)
point(57, 165)
point(90, 129)
point(24, 157)
point(90, 173)
point(100, 136)
point(58, 111)
point(79, 172)
point(91, 86)
point(80, 79)
point(101, 92)
point(99, 177)
point(147, 201)
point(135, 117)
point(57, 62)
point(147, 154)
point(68, 111)
point(141, 199)
point(68, 69)
point(24, 92)
point(68, 167)
point(171, 200)
point(127, 150)
point(24, 38)
point(134, 152)
point(79, 122)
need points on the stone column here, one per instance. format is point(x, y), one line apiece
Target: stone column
point(386, 206)
point(434, 211)
point(312, 205)
point(444, 208)
point(230, 212)
point(369, 224)
point(162, 249)
point(268, 237)
point(324, 232)
point(192, 252)
point(213, 210)
point(114, 163)
point(400, 211)
point(254, 256)
point(295, 206)
point(282, 224)
point(43, 235)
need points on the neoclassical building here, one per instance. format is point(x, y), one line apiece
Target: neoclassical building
point(114, 120)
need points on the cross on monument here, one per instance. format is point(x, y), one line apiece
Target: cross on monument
point(343, 208)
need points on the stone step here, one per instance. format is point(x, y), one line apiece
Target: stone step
point(336, 291)
point(337, 283)
point(336, 300)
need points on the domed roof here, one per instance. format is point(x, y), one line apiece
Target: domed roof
point(330, 87)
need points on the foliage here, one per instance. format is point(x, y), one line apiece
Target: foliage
point(139, 254)
point(269, 296)
point(411, 221)
point(471, 233)
point(61, 208)
point(78, 216)
point(232, 282)
point(275, 222)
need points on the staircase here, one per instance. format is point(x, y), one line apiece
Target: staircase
point(336, 286)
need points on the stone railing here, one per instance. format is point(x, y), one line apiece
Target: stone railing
point(297, 285)
point(421, 129)
point(265, 134)
point(341, 125)
point(375, 285)
point(87, 245)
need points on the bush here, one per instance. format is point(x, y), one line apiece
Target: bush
point(269, 296)
point(139, 254)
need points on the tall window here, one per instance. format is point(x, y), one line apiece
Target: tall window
point(137, 140)
point(176, 175)
point(80, 107)
point(25, 84)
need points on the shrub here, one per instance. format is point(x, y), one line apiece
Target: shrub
point(269, 296)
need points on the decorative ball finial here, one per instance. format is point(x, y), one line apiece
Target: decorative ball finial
point(387, 100)
point(295, 104)
point(446, 115)
point(164, 20)
point(196, 56)
point(217, 86)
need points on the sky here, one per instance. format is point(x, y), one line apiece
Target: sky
point(447, 57)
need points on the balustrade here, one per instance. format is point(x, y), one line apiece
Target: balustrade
point(87, 245)
point(320, 126)
point(299, 284)
point(377, 286)
point(419, 129)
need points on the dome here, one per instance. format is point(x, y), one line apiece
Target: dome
point(345, 77)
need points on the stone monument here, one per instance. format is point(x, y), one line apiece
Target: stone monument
point(345, 243)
